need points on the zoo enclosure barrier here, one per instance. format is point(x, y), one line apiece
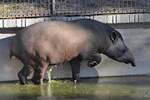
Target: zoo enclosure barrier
point(44, 8)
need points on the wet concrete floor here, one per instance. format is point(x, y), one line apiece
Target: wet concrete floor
point(112, 88)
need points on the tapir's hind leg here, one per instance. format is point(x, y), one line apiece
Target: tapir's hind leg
point(29, 65)
point(75, 66)
point(24, 73)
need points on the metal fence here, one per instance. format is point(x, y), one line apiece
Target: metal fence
point(42, 8)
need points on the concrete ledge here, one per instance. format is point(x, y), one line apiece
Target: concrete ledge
point(18, 23)
point(111, 19)
point(123, 18)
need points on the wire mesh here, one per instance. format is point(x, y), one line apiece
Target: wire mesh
point(42, 8)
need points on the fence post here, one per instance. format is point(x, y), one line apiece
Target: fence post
point(52, 7)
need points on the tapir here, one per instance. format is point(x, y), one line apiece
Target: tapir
point(49, 43)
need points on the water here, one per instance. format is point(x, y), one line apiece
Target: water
point(125, 88)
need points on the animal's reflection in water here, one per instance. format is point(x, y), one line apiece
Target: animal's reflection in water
point(49, 90)
point(46, 91)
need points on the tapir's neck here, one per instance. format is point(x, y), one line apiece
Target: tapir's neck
point(102, 44)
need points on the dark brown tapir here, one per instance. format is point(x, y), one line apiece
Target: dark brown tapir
point(48, 43)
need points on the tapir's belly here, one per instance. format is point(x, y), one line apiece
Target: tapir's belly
point(61, 48)
point(63, 54)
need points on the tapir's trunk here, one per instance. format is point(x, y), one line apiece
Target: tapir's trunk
point(127, 58)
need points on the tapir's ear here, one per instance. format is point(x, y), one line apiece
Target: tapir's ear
point(113, 36)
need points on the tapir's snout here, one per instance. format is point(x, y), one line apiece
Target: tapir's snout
point(133, 62)
point(127, 58)
point(130, 58)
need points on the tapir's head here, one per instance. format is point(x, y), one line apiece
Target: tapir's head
point(117, 49)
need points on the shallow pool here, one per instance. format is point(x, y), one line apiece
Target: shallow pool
point(116, 88)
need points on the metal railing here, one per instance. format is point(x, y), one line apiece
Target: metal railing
point(42, 8)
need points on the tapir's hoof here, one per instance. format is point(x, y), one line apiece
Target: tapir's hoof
point(36, 82)
point(76, 78)
point(23, 82)
point(22, 79)
point(33, 80)
point(75, 81)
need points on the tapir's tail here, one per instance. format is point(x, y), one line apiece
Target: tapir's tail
point(11, 53)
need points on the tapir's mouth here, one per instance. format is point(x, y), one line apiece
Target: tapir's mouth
point(132, 63)
point(128, 58)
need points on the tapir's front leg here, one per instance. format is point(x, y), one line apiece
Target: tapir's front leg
point(39, 73)
point(94, 60)
point(75, 65)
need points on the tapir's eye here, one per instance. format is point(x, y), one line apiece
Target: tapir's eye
point(113, 36)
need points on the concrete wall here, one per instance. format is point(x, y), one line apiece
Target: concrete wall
point(110, 19)
point(136, 36)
